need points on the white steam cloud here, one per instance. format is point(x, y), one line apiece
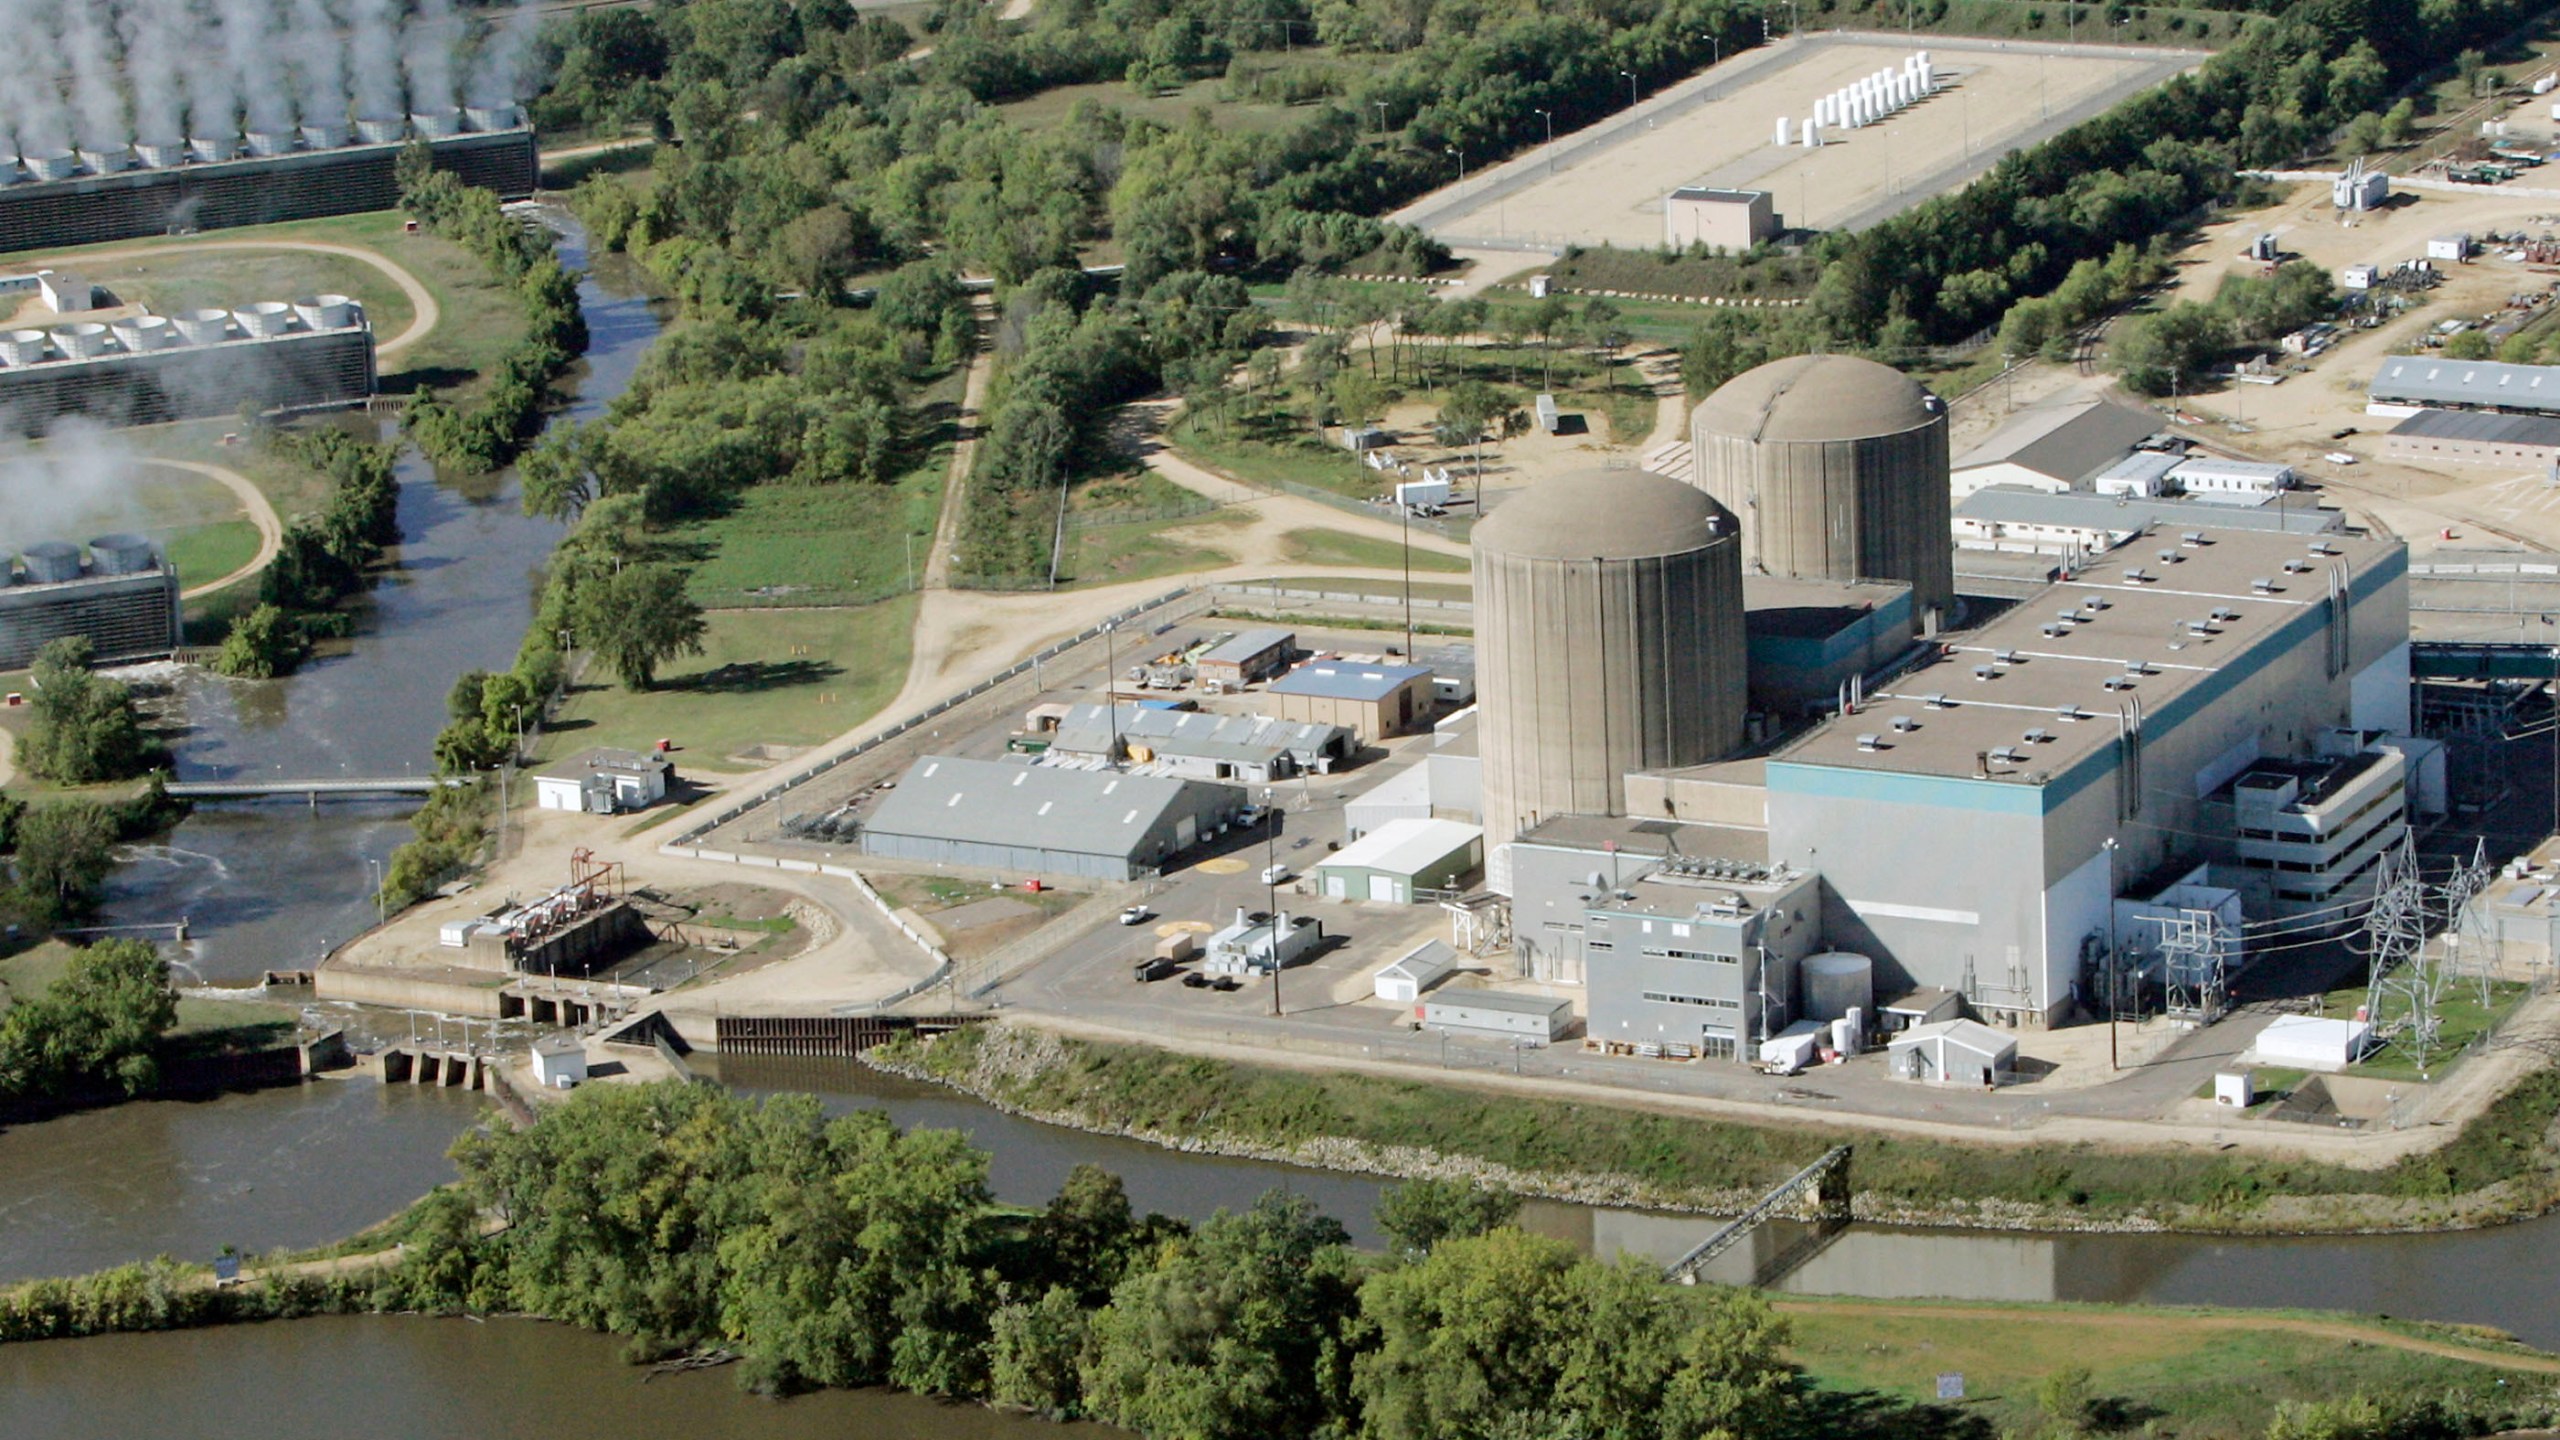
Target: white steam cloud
point(163, 70)
point(80, 480)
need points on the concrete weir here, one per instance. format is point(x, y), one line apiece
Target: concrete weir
point(420, 1065)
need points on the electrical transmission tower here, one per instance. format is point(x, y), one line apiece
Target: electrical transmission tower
point(2402, 980)
point(2471, 950)
point(2195, 964)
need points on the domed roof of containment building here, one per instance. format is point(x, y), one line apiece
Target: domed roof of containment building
point(1604, 515)
point(1818, 397)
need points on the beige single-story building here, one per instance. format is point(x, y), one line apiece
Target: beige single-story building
point(1732, 220)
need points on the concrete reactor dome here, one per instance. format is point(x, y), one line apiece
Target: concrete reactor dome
point(1838, 468)
point(1609, 638)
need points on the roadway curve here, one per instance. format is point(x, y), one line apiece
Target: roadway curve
point(261, 514)
point(425, 313)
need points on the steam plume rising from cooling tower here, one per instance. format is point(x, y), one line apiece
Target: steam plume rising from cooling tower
point(35, 109)
point(496, 79)
point(426, 53)
point(213, 107)
point(253, 64)
point(373, 53)
point(153, 46)
point(81, 477)
point(99, 109)
point(319, 62)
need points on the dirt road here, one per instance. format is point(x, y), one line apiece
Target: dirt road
point(261, 514)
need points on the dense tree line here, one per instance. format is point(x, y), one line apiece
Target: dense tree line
point(321, 559)
point(96, 1027)
point(84, 729)
point(486, 437)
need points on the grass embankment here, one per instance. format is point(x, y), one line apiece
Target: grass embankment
point(206, 1029)
point(765, 677)
point(2498, 1167)
point(1338, 547)
point(2195, 1372)
point(1767, 276)
point(1140, 526)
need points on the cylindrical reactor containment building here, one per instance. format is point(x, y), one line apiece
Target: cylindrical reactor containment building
point(1837, 467)
point(1609, 638)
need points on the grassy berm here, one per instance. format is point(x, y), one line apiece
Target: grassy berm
point(2501, 1166)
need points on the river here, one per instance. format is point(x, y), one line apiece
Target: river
point(269, 885)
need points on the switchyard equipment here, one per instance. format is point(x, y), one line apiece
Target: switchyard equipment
point(148, 369)
point(1838, 468)
point(125, 600)
point(1609, 637)
point(62, 200)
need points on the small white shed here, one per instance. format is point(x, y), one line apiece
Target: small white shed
point(1534, 1018)
point(2456, 246)
point(1790, 1050)
point(2308, 1042)
point(66, 292)
point(1953, 1052)
point(1416, 970)
point(559, 1061)
point(604, 782)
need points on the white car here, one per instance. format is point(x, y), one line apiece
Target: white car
point(1275, 875)
point(1136, 915)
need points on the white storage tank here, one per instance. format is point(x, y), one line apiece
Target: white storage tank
point(264, 320)
point(161, 154)
point(1837, 982)
point(24, 347)
point(204, 327)
point(145, 332)
point(325, 312)
point(213, 149)
point(81, 341)
point(380, 129)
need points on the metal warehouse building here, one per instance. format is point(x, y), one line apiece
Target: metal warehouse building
point(2406, 382)
point(2468, 437)
point(1373, 701)
point(1401, 857)
point(1049, 820)
point(1248, 749)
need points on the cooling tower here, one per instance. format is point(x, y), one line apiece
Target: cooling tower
point(120, 554)
point(1838, 468)
point(23, 347)
point(264, 320)
point(1609, 638)
point(51, 562)
point(325, 312)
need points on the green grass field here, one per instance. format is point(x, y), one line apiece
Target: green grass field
point(779, 677)
point(2196, 1373)
point(2460, 1021)
point(210, 551)
point(1145, 550)
point(1338, 547)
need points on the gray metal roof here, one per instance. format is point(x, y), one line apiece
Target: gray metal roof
point(2070, 443)
point(2475, 426)
point(2141, 467)
point(1344, 680)
point(2015, 505)
point(1605, 515)
point(607, 761)
point(1509, 1002)
point(1711, 192)
point(1253, 739)
point(1819, 397)
point(1001, 802)
point(1251, 645)
point(2433, 379)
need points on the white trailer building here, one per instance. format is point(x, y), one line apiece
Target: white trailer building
point(1953, 1052)
point(1405, 978)
point(1535, 1019)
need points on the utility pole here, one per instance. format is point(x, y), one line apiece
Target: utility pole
point(1404, 518)
point(1271, 888)
point(2114, 966)
point(1111, 684)
point(1550, 117)
point(1631, 88)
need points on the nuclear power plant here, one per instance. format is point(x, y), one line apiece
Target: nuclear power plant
point(1952, 815)
point(124, 598)
point(172, 118)
point(146, 369)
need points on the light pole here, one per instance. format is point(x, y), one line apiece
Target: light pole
point(1382, 115)
point(1271, 888)
point(1462, 163)
point(1631, 87)
point(381, 906)
point(1550, 117)
point(910, 538)
point(1718, 42)
point(2113, 968)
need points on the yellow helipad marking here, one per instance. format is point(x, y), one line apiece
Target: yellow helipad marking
point(1223, 865)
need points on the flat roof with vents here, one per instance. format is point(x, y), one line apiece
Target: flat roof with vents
point(2485, 384)
point(1033, 807)
point(2142, 645)
point(1343, 680)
